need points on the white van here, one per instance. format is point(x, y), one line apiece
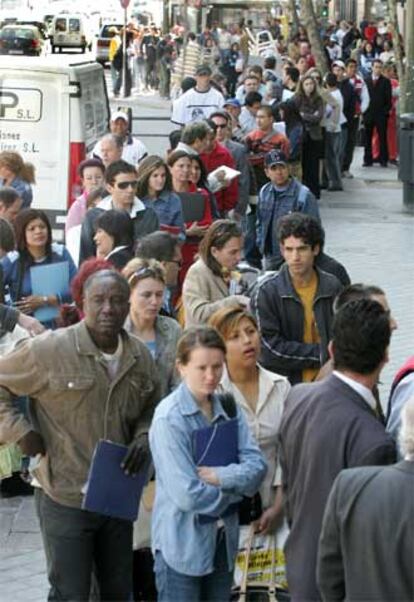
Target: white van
point(52, 111)
point(69, 31)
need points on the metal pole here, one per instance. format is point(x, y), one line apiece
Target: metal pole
point(124, 56)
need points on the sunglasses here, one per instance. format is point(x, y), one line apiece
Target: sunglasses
point(125, 185)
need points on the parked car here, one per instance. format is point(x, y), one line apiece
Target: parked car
point(21, 39)
point(39, 24)
point(102, 43)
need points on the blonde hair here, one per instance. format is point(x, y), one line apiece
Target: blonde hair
point(15, 163)
point(139, 269)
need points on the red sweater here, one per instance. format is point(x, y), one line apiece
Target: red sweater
point(227, 198)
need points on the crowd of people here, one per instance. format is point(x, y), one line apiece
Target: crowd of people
point(197, 295)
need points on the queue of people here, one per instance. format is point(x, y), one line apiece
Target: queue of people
point(201, 303)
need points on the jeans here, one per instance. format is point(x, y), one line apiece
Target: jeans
point(76, 542)
point(333, 158)
point(251, 253)
point(215, 587)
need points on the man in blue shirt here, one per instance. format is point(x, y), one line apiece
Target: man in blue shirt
point(282, 195)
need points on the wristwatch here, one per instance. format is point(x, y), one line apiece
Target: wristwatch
point(45, 299)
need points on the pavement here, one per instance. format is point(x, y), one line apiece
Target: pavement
point(366, 229)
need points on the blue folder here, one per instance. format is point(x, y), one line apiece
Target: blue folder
point(217, 445)
point(109, 490)
point(49, 279)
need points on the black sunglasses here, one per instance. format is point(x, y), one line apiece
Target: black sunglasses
point(125, 185)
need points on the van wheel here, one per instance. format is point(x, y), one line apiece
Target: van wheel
point(53, 49)
point(60, 49)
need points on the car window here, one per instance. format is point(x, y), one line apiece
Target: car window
point(74, 25)
point(60, 25)
point(17, 33)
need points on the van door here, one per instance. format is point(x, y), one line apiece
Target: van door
point(34, 109)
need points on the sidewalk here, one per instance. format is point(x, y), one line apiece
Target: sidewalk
point(367, 230)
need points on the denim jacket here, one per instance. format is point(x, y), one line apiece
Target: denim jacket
point(187, 545)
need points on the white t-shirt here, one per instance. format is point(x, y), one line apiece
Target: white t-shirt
point(133, 153)
point(196, 106)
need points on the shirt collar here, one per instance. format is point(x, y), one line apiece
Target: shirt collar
point(137, 206)
point(189, 406)
point(362, 390)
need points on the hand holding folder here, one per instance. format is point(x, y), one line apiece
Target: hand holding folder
point(109, 490)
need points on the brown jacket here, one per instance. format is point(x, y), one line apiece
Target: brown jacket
point(74, 402)
point(203, 294)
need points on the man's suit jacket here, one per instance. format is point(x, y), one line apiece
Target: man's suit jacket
point(380, 95)
point(326, 427)
point(366, 550)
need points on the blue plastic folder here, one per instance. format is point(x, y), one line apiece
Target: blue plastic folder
point(217, 445)
point(109, 490)
point(49, 279)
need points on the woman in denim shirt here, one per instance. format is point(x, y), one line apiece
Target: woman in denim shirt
point(194, 558)
point(155, 190)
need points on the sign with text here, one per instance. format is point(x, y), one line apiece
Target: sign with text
point(17, 104)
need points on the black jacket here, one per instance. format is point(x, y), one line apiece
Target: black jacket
point(144, 222)
point(350, 97)
point(326, 427)
point(380, 97)
point(280, 316)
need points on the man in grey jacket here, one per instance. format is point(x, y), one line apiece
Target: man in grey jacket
point(88, 382)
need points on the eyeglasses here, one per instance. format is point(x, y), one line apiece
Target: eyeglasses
point(125, 185)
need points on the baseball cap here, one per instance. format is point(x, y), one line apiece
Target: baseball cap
point(203, 70)
point(338, 64)
point(275, 157)
point(119, 115)
point(233, 102)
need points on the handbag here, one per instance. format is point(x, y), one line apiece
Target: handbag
point(259, 570)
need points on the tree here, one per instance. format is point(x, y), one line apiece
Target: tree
point(405, 67)
point(309, 19)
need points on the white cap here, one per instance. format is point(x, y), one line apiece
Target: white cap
point(119, 115)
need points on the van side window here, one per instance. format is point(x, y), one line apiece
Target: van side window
point(74, 25)
point(60, 25)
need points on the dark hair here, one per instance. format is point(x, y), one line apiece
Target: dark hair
point(90, 163)
point(117, 224)
point(188, 83)
point(217, 235)
point(361, 333)
point(331, 80)
point(378, 61)
point(198, 336)
point(251, 98)
point(222, 114)
point(198, 130)
point(176, 156)
point(7, 242)
point(270, 62)
point(301, 226)
point(354, 292)
point(174, 137)
point(20, 224)
point(8, 196)
point(351, 62)
point(116, 168)
point(256, 70)
point(202, 182)
point(293, 73)
point(157, 245)
point(145, 170)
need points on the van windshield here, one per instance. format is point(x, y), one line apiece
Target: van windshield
point(74, 25)
point(60, 25)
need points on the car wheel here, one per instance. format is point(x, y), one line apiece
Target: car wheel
point(53, 49)
point(60, 49)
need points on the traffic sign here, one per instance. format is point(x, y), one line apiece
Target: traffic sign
point(125, 3)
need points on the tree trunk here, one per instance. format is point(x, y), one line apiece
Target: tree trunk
point(398, 51)
point(312, 27)
point(409, 66)
point(295, 18)
point(368, 9)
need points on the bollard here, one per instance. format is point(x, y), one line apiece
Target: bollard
point(406, 165)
